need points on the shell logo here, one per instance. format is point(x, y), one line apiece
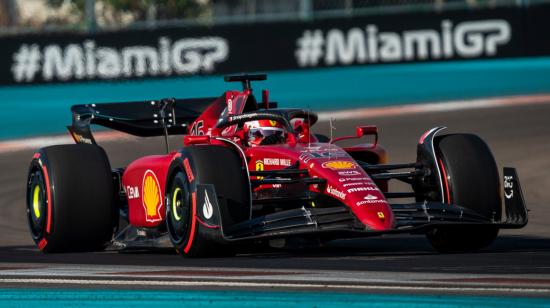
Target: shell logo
point(273, 123)
point(151, 196)
point(339, 165)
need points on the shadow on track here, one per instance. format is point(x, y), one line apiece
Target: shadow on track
point(508, 255)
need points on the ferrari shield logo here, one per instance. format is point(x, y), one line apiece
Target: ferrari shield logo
point(259, 165)
point(152, 199)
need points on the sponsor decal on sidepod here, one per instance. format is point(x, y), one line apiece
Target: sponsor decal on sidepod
point(132, 192)
point(152, 199)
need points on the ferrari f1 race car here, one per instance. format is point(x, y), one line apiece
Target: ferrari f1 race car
point(250, 173)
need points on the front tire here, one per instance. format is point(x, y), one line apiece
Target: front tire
point(221, 167)
point(179, 216)
point(70, 198)
point(472, 182)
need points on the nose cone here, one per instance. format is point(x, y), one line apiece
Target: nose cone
point(364, 199)
point(350, 184)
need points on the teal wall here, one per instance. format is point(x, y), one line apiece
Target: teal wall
point(45, 298)
point(40, 110)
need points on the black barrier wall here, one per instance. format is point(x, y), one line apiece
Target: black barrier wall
point(400, 38)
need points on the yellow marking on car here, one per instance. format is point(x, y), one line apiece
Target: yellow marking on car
point(152, 200)
point(259, 167)
point(176, 203)
point(339, 165)
point(36, 201)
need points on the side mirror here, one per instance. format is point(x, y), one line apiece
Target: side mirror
point(361, 131)
point(366, 130)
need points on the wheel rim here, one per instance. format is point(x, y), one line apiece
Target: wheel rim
point(177, 204)
point(36, 201)
point(178, 211)
point(36, 204)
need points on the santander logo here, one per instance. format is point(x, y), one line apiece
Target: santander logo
point(335, 192)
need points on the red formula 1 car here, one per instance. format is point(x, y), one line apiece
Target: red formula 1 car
point(250, 172)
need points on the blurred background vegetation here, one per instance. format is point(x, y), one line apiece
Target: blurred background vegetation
point(18, 16)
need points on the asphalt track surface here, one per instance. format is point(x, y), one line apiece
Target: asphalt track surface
point(516, 264)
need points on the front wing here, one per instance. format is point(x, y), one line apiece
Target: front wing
point(336, 222)
point(410, 218)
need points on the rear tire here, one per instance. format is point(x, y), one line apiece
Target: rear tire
point(70, 198)
point(221, 167)
point(472, 182)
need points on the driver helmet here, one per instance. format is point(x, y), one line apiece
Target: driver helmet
point(263, 132)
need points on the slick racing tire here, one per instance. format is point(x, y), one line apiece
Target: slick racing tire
point(221, 167)
point(472, 182)
point(70, 198)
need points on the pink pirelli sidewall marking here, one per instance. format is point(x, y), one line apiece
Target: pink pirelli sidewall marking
point(193, 222)
point(48, 192)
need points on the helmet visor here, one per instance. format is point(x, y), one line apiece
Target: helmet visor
point(264, 132)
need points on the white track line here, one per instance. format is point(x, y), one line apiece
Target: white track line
point(362, 113)
point(226, 284)
point(39, 142)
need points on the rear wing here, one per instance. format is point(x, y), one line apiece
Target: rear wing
point(140, 118)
